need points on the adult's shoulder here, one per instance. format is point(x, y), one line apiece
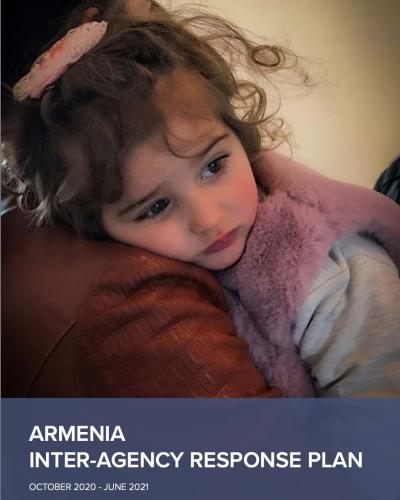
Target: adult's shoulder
point(85, 318)
point(46, 272)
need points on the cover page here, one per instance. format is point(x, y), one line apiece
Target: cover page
point(200, 250)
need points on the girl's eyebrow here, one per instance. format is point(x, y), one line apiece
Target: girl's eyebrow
point(209, 146)
point(156, 190)
point(135, 204)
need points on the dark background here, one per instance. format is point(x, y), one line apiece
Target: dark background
point(26, 27)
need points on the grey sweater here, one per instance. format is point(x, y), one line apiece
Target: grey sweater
point(348, 328)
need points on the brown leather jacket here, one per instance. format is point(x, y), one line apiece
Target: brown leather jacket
point(83, 318)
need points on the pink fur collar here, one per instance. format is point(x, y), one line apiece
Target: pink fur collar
point(303, 215)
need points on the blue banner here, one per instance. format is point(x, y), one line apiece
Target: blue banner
point(200, 449)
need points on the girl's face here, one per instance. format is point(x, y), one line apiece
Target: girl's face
point(196, 207)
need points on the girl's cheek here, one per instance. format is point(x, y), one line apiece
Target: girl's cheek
point(245, 188)
point(167, 240)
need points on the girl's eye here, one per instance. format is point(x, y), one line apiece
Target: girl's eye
point(215, 167)
point(155, 209)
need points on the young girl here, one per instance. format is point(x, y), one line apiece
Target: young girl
point(141, 131)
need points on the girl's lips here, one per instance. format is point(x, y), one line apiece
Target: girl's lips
point(222, 243)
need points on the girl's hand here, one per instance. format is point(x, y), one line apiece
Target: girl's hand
point(137, 7)
point(134, 8)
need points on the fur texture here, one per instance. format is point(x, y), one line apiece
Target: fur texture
point(302, 216)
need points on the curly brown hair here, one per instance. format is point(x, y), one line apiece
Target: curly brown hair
point(68, 146)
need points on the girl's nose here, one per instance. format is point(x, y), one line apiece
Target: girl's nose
point(204, 215)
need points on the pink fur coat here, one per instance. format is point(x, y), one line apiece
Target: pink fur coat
point(303, 214)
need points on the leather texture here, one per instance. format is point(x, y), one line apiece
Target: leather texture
point(97, 319)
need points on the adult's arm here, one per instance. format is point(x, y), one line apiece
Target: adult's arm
point(153, 327)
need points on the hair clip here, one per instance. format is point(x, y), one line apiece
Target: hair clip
point(55, 61)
